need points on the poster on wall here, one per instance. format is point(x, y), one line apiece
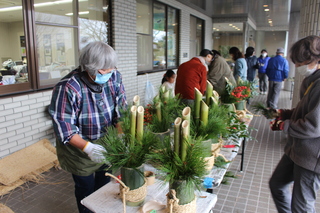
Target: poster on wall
point(47, 49)
point(22, 46)
point(61, 51)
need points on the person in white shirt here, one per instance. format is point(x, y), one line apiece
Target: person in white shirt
point(168, 81)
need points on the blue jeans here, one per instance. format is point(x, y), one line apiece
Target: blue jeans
point(306, 183)
point(85, 185)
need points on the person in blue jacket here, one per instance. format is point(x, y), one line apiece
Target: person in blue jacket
point(263, 78)
point(277, 71)
point(240, 68)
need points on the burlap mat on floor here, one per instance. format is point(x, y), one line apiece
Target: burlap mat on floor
point(26, 165)
point(5, 209)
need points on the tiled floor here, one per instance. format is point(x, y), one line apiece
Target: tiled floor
point(249, 193)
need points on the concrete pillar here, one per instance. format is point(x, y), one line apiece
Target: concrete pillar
point(260, 42)
point(293, 37)
point(309, 25)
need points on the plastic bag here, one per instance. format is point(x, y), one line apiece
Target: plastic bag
point(150, 92)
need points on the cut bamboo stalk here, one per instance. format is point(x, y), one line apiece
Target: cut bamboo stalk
point(184, 140)
point(204, 113)
point(197, 101)
point(177, 135)
point(140, 120)
point(213, 101)
point(166, 95)
point(209, 91)
point(136, 100)
point(158, 110)
point(133, 121)
point(216, 96)
point(156, 99)
point(186, 112)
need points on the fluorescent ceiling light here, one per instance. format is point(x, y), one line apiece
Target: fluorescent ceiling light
point(266, 9)
point(80, 13)
point(49, 3)
point(265, 5)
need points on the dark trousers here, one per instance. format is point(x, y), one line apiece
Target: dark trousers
point(273, 94)
point(306, 183)
point(263, 82)
point(85, 185)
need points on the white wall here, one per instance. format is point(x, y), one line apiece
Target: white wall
point(23, 120)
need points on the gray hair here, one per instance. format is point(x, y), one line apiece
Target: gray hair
point(97, 55)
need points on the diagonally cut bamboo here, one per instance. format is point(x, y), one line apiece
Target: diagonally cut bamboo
point(133, 121)
point(166, 95)
point(136, 100)
point(140, 120)
point(209, 91)
point(186, 112)
point(197, 101)
point(158, 109)
point(184, 139)
point(177, 134)
point(204, 113)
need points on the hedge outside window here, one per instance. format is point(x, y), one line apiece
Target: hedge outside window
point(159, 36)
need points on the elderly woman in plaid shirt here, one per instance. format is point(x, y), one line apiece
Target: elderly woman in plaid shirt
point(83, 104)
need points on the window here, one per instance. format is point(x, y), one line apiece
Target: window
point(36, 55)
point(157, 33)
point(13, 55)
point(196, 36)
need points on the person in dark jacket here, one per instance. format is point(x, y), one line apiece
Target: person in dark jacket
point(219, 70)
point(252, 63)
point(263, 78)
point(300, 163)
point(277, 71)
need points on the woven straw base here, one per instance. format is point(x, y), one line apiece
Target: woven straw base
point(135, 197)
point(209, 162)
point(186, 208)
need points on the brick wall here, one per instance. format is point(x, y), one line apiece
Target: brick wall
point(23, 120)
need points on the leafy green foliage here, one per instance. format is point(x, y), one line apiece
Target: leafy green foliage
point(267, 112)
point(170, 109)
point(236, 128)
point(166, 160)
point(220, 162)
point(216, 126)
point(124, 150)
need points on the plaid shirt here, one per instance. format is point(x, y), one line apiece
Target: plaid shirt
point(76, 109)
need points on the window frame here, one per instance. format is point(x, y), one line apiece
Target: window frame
point(29, 25)
point(141, 72)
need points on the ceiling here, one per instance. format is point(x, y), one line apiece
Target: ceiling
point(279, 11)
point(268, 15)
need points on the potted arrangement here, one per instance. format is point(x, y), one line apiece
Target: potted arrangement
point(128, 151)
point(238, 94)
point(183, 166)
point(159, 115)
point(208, 123)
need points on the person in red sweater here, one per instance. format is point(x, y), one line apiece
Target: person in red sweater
point(193, 74)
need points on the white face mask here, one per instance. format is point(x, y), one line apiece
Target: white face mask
point(303, 70)
point(264, 55)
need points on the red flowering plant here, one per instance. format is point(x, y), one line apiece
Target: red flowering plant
point(242, 91)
